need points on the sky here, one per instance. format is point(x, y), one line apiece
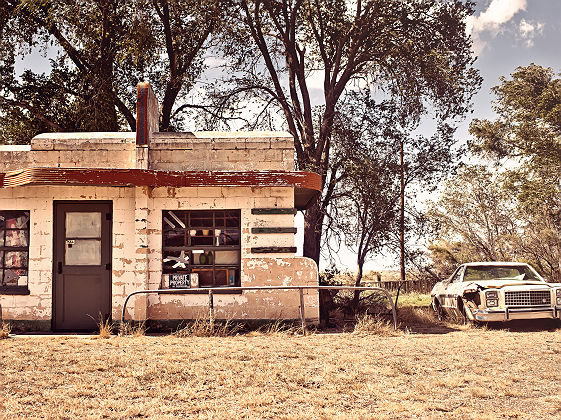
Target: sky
point(506, 34)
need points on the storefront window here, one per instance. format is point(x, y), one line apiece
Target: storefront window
point(203, 242)
point(14, 249)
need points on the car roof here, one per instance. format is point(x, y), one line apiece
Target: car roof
point(494, 263)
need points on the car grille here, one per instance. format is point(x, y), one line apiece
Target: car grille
point(528, 298)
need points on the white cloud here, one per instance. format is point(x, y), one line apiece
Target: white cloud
point(497, 14)
point(529, 30)
point(492, 20)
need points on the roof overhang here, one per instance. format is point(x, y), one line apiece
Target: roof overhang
point(307, 185)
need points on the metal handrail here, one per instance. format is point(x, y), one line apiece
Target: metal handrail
point(211, 290)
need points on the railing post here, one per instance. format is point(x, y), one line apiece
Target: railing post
point(302, 313)
point(211, 310)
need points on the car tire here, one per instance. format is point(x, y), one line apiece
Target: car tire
point(467, 320)
point(438, 310)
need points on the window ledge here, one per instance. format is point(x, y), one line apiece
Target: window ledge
point(14, 290)
point(200, 292)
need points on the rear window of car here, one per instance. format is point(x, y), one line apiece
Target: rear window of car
point(510, 272)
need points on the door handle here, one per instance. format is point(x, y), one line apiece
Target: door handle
point(108, 266)
point(60, 267)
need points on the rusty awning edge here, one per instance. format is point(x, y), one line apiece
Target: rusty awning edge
point(307, 185)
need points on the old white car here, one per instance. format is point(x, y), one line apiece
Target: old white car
point(497, 291)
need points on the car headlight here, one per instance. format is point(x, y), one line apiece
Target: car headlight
point(558, 295)
point(492, 298)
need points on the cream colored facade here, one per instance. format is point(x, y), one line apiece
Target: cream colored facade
point(136, 242)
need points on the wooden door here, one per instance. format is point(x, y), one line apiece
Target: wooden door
point(82, 264)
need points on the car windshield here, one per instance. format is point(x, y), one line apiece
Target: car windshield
point(498, 272)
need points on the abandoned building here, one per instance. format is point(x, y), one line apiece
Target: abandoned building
point(88, 218)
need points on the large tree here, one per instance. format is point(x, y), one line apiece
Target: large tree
point(104, 47)
point(363, 208)
point(414, 50)
point(527, 136)
point(474, 218)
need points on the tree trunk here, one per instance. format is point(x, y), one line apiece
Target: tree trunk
point(313, 220)
point(104, 115)
point(172, 90)
point(356, 297)
point(401, 214)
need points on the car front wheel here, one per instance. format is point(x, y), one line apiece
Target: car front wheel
point(438, 310)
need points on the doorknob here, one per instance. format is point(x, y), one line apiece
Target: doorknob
point(60, 267)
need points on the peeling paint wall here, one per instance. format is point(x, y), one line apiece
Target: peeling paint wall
point(137, 218)
point(257, 270)
point(137, 255)
point(39, 201)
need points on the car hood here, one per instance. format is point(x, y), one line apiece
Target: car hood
point(499, 284)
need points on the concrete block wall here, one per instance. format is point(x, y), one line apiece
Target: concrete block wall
point(13, 157)
point(257, 269)
point(137, 252)
point(199, 151)
point(72, 150)
point(83, 150)
point(37, 306)
point(222, 151)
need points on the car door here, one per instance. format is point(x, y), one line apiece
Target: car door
point(450, 290)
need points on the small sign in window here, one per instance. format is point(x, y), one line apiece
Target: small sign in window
point(183, 281)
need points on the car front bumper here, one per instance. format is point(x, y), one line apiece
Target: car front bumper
point(509, 314)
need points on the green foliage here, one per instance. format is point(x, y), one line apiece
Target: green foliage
point(104, 48)
point(479, 218)
point(527, 133)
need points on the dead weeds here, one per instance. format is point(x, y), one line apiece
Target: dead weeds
point(204, 327)
point(369, 324)
point(5, 330)
point(137, 329)
point(471, 373)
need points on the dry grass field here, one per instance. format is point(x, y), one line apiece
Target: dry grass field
point(426, 370)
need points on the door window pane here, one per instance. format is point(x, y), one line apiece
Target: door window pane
point(83, 225)
point(83, 252)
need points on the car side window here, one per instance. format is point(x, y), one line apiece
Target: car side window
point(456, 277)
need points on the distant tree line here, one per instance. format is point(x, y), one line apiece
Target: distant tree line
point(511, 208)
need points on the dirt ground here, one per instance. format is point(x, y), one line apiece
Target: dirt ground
point(441, 371)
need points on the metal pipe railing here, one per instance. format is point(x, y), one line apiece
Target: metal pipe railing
point(211, 290)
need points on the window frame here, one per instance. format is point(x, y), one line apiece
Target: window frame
point(189, 247)
point(6, 289)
